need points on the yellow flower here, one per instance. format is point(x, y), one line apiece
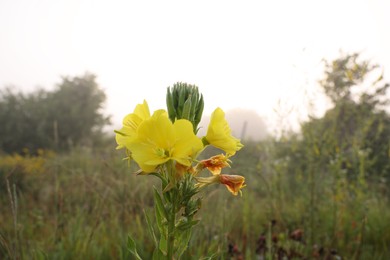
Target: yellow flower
point(234, 183)
point(214, 164)
point(130, 125)
point(158, 141)
point(219, 134)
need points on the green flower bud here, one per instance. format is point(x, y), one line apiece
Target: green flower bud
point(185, 102)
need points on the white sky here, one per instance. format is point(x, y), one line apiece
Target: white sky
point(248, 54)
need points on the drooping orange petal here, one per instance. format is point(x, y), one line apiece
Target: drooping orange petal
point(234, 183)
point(215, 163)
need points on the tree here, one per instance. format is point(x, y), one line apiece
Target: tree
point(357, 127)
point(353, 136)
point(70, 115)
point(22, 120)
point(77, 116)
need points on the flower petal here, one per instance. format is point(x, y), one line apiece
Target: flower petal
point(234, 183)
point(219, 133)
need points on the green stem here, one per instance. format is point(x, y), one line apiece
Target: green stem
point(172, 214)
point(171, 232)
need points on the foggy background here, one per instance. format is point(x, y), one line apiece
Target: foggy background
point(262, 57)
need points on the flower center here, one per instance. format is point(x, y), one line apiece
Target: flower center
point(162, 153)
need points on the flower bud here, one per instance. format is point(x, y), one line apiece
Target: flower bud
point(185, 102)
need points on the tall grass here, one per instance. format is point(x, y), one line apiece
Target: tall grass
point(82, 205)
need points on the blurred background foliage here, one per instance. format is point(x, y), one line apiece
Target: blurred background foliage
point(320, 193)
point(70, 115)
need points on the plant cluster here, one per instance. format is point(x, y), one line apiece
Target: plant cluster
point(165, 144)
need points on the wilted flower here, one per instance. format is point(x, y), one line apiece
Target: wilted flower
point(219, 134)
point(234, 183)
point(214, 164)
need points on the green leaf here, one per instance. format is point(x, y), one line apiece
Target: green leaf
point(183, 240)
point(160, 204)
point(194, 104)
point(171, 106)
point(161, 214)
point(158, 175)
point(186, 225)
point(213, 256)
point(158, 255)
point(160, 222)
point(132, 248)
point(199, 111)
point(181, 101)
point(163, 244)
point(118, 132)
point(168, 187)
point(151, 229)
point(186, 109)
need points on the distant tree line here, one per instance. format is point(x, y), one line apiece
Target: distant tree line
point(353, 137)
point(70, 115)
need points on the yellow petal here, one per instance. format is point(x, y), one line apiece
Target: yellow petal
point(142, 110)
point(219, 133)
point(131, 123)
point(187, 144)
point(157, 130)
point(155, 138)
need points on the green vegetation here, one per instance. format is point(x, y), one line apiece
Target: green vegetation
point(319, 194)
point(82, 205)
point(70, 115)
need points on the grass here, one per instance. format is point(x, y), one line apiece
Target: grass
point(82, 205)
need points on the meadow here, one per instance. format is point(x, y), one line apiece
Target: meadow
point(84, 203)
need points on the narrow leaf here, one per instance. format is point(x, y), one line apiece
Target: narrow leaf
point(183, 241)
point(186, 109)
point(186, 225)
point(199, 111)
point(160, 204)
point(158, 255)
point(151, 229)
point(132, 247)
point(171, 106)
point(163, 244)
